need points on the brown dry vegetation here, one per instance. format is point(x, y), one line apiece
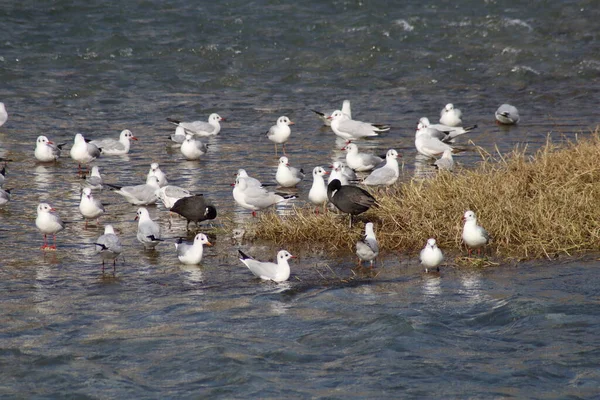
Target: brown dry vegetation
point(533, 206)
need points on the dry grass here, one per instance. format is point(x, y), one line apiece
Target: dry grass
point(533, 206)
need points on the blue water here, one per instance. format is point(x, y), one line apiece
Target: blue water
point(159, 329)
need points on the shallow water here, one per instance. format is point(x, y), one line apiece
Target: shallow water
point(161, 329)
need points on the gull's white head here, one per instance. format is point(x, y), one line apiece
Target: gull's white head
point(202, 239)
point(283, 255)
point(283, 120)
point(319, 171)
point(469, 216)
point(109, 229)
point(391, 153)
point(283, 161)
point(44, 208)
point(431, 243)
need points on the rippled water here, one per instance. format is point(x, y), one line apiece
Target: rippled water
point(161, 329)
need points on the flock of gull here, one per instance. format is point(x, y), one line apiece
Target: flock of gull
point(341, 189)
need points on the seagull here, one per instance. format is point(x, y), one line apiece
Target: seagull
point(47, 151)
point(148, 231)
point(450, 116)
point(269, 271)
point(349, 199)
point(201, 128)
point(192, 148)
point(113, 147)
point(140, 195)
point(254, 197)
point(4, 196)
point(250, 181)
point(3, 114)
point(473, 235)
point(156, 171)
point(108, 246)
point(194, 208)
point(280, 133)
point(94, 181)
point(349, 129)
point(48, 223)
point(446, 162)
point(445, 133)
point(342, 173)
point(170, 194)
point(83, 152)
point(431, 256)
point(360, 161)
point(288, 176)
point(386, 175)
point(428, 145)
point(179, 136)
point(367, 249)
point(191, 254)
point(318, 191)
point(325, 117)
point(90, 207)
point(507, 114)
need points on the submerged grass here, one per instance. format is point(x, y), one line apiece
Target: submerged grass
point(533, 206)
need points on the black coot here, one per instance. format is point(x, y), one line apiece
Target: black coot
point(194, 208)
point(349, 199)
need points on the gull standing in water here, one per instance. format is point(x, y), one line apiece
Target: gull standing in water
point(445, 133)
point(507, 114)
point(386, 175)
point(250, 181)
point(114, 147)
point(446, 162)
point(255, 198)
point(342, 173)
point(450, 116)
point(349, 129)
point(148, 232)
point(139, 195)
point(368, 248)
point(83, 152)
point(280, 133)
point(90, 207)
point(192, 148)
point(269, 271)
point(179, 136)
point(431, 256)
point(473, 235)
point(201, 128)
point(318, 191)
point(47, 151)
point(48, 223)
point(157, 172)
point(360, 161)
point(94, 181)
point(191, 254)
point(108, 246)
point(428, 145)
point(288, 176)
